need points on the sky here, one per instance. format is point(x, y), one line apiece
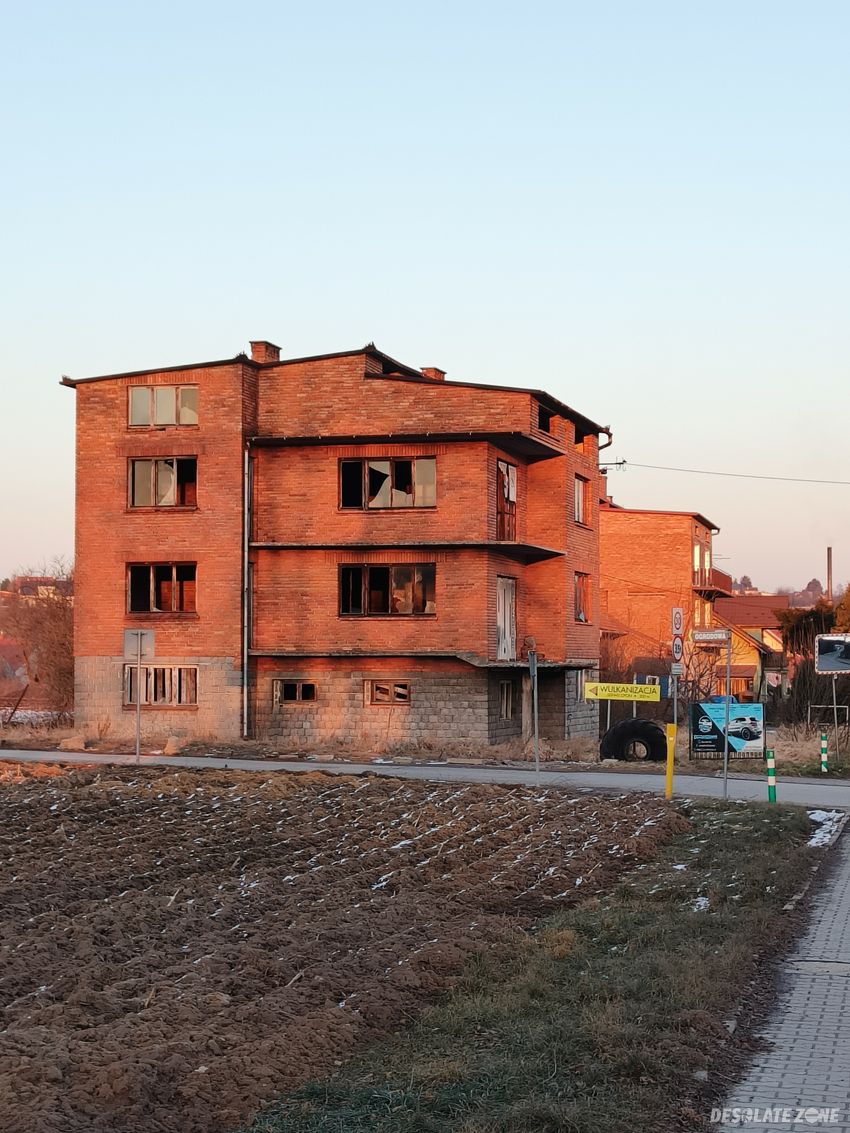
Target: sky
point(641, 207)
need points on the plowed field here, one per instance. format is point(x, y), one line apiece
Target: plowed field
point(177, 947)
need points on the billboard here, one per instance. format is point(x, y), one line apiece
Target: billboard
point(746, 730)
point(832, 653)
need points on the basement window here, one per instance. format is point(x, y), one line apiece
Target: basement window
point(163, 405)
point(394, 482)
point(506, 700)
point(388, 692)
point(170, 481)
point(402, 588)
point(161, 588)
point(505, 500)
point(293, 692)
point(163, 686)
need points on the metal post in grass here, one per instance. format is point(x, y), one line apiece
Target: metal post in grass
point(532, 672)
point(671, 756)
point(771, 775)
point(824, 754)
point(835, 717)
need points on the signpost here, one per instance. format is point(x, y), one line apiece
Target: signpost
point(719, 637)
point(138, 643)
point(532, 672)
point(597, 690)
point(832, 658)
point(677, 651)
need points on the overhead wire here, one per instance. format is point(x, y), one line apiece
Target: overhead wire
point(736, 475)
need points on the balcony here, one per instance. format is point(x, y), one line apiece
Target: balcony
point(713, 583)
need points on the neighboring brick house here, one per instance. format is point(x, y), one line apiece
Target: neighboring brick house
point(759, 663)
point(337, 547)
point(651, 561)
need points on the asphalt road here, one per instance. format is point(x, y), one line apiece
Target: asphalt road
point(804, 792)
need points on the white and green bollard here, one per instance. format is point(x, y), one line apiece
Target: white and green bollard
point(771, 775)
point(824, 758)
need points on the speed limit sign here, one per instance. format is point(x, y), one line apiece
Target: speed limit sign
point(678, 648)
point(677, 621)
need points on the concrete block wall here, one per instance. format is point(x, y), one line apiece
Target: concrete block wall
point(99, 709)
point(582, 715)
point(501, 731)
point(443, 707)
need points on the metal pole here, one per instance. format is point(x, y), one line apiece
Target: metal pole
point(835, 715)
point(535, 713)
point(824, 753)
point(771, 775)
point(138, 695)
point(726, 727)
point(608, 720)
point(675, 681)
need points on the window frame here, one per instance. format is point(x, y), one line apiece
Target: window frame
point(506, 700)
point(364, 462)
point(278, 700)
point(154, 462)
point(582, 501)
point(506, 501)
point(152, 422)
point(153, 610)
point(394, 684)
point(366, 590)
point(583, 598)
point(174, 680)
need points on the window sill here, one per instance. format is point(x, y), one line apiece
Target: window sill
point(586, 526)
point(384, 510)
point(158, 428)
point(146, 509)
point(383, 617)
point(162, 707)
point(161, 615)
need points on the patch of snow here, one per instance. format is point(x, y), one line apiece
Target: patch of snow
point(700, 905)
point(827, 821)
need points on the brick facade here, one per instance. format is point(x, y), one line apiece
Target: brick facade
point(290, 424)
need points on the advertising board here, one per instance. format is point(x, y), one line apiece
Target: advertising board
point(746, 730)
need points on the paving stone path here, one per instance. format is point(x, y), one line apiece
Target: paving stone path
point(803, 1078)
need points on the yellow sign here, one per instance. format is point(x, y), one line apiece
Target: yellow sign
point(596, 691)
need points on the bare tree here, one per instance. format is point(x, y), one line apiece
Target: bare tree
point(40, 618)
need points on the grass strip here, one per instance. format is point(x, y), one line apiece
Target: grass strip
point(609, 1017)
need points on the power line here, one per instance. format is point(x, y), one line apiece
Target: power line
point(736, 475)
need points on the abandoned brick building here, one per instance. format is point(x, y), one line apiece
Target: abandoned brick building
point(335, 548)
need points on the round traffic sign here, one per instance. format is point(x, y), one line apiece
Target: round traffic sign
point(678, 648)
point(678, 620)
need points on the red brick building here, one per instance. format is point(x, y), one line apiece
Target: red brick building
point(338, 547)
point(651, 561)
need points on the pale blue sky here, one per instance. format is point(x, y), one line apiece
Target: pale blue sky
point(641, 207)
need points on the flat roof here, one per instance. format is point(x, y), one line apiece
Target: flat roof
point(611, 507)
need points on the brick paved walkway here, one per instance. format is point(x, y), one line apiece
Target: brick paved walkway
point(807, 1064)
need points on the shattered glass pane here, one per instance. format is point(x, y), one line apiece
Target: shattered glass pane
point(380, 488)
point(165, 483)
point(402, 494)
point(402, 596)
point(187, 405)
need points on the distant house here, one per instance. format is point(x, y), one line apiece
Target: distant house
point(650, 562)
point(759, 663)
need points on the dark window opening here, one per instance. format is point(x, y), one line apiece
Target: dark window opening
point(403, 588)
point(388, 483)
point(544, 419)
point(581, 501)
point(293, 692)
point(505, 500)
point(351, 483)
point(161, 588)
point(163, 686)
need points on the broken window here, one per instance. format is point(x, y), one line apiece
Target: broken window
point(582, 501)
point(168, 482)
point(293, 692)
point(505, 500)
point(388, 692)
point(506, 700)
point(388, 483)
point(161, 588)
point(403, 588)
point(582, 597)
point(163, 405)
point(162, 686)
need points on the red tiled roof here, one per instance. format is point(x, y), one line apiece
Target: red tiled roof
point(752, 609)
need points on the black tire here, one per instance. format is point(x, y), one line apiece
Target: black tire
point(746, 734)
point(634, 740)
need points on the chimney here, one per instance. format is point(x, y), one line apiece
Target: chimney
point(265, 352)
point(434, 373)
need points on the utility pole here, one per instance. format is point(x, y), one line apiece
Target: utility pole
point(829, 575)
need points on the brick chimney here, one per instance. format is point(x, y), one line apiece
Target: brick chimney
point(265, 352)
point(434, 373)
